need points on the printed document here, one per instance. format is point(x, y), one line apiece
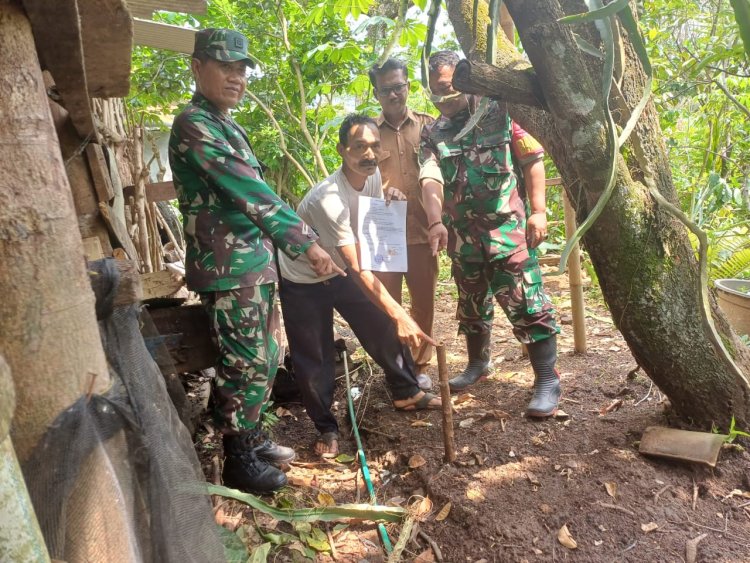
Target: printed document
point(381, 231)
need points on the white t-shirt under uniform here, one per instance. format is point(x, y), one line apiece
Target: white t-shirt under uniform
point(330, 208)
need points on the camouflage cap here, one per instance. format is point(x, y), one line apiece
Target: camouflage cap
point(222, 45)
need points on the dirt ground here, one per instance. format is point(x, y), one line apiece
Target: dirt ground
point(515, 483)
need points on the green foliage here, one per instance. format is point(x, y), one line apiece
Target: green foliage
point(703, 96)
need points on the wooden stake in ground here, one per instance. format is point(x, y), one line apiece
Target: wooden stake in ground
point(445, 396)
point(574, 277)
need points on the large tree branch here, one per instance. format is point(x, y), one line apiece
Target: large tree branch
point(512, 83)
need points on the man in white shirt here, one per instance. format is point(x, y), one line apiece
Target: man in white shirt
point(383, 327)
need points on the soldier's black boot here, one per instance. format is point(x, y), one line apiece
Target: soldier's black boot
point(245, 471)
point(265, 448)
point(478, 349)
point(547, 390)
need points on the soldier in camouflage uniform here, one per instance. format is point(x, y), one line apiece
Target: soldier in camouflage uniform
point(484, 224)
point(232, 222)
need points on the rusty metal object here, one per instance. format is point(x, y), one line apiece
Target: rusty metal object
point(682, 445)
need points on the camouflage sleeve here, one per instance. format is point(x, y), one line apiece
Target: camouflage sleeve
point(526, 149)
point(429, 164)
point(205, 148)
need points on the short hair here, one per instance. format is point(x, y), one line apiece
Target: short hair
point(443, 58)
point(387, 66)
point(350, 121)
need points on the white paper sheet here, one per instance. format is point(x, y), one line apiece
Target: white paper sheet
point(381, 230)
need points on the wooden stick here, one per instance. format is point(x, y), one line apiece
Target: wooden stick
point(574, 277)
point(445, 396)
point(170, 234)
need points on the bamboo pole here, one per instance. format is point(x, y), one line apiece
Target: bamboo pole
point(574, 277)
point(445, 397)
point(140, 201)
point(170, 234)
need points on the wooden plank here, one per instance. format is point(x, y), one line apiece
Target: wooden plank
point(187, 336)
point(144, 8)
point(159, 191)
point(99, 173)
point(163, 36)
point(160, 284)
point(107, 38)
point(118, 231)
point(57, 33)
point(92, 249)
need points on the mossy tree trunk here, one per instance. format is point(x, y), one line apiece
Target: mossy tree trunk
point(646, 266)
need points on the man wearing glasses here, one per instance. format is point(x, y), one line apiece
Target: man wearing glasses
point(233, 221)
point(400, 129)
point(485, 227)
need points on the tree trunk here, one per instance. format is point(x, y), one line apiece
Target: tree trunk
point(49, 335)
point(646, 266)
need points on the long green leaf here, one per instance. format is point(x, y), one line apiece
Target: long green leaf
point(597, 14)
point(634, 34)
point(484, 104)
point(742, 16)
point(323, 513)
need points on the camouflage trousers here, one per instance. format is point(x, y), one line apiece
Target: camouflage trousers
point(516, 282)
point(245, 326)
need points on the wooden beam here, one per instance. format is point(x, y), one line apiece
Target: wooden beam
point(163, 36)
point(159, 191)
point(144, 8)
point(100, 173)
point(57, 34)
point(107, 35)
point(187, 336)
point(160, 284)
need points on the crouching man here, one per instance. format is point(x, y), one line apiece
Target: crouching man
point(385, 330)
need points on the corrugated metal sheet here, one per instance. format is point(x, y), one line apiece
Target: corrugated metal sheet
point(144, 8)
point(163, 36)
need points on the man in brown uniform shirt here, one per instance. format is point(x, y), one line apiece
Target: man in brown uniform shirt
point(400, 130)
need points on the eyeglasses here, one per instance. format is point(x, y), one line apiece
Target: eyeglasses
point(388, 90)
point(238, 68)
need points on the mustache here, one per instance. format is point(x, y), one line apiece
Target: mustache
point(368, 162)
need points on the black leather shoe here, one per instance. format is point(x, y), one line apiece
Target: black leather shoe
point(245, 471)
point(262, 445)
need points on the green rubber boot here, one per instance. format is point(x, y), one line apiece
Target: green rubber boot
point(478, 368)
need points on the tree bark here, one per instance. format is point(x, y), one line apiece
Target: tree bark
point(49, 335)
point(646, 266)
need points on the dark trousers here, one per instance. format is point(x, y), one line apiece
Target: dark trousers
point(308, 320)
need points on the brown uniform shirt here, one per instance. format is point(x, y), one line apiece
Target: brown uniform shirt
point(399, 168)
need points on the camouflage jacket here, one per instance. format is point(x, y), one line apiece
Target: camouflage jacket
point(232, 218)
point(483, 210)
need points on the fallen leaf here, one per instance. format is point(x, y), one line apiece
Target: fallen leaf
point(533, 479)
point(345, 458)
point(500, 415)
point(395, 501)
point(738, 493)
point(650, 527)
point(537, 551)
point(425, 557)
point(443, 514)
point(611, 488)
point(282, 412)
point(558, 467)
point(511, 453)
point(545, 508)
point(325, 499)
point(416, 461)
point(601, 528)
point(597, 543)
point(561, 415)
point(421, 423)
point(565, 539)
point(466, 423)
point(463, 398)
point(422, 508)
